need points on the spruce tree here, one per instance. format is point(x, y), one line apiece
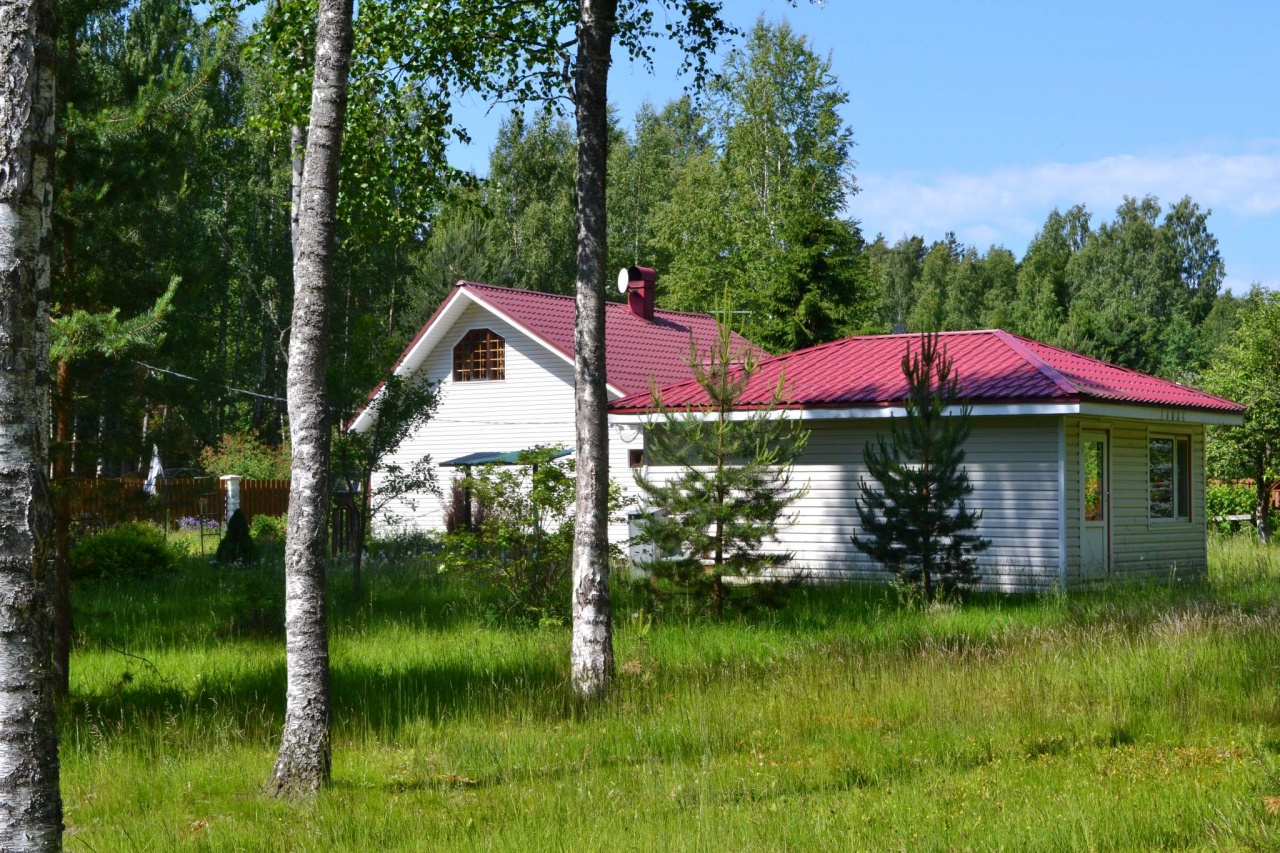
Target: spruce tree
point(237, 546)
point(731, 484)
point(916, 522)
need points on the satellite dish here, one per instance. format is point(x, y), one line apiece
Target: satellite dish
point(624, 280)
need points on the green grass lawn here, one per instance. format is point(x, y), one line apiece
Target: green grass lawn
point(1122, 718)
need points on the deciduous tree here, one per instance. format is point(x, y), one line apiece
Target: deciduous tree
point(1248, 371)
point(30, 803)
point(400, 408)
point(591, 651)
point(302, 765)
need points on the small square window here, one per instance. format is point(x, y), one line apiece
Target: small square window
point(635, 458)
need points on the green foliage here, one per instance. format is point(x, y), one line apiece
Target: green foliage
point(80, 333)
point(729, 484)
point(244, 453)
point(132, 550)
point(268, 527)
point(398, 409)
point(523, 544)
point(143, 89)
point(1248, 372)
point(1141, 290)
point(255, 604)
point(237, 545)
point(914, 520)
point(758, 213)
point(530, 191)
point(1224, 499)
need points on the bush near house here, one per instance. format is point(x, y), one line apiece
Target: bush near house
point(271, 527)
point(129, 550)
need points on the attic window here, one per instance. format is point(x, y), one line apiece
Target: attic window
point(480, 356)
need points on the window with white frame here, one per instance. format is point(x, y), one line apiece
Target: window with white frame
point(1169, 476)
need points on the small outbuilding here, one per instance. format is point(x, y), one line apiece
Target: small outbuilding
point(1083, 470)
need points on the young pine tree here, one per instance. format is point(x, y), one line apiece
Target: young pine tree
point(916, 522)
point(731, 483)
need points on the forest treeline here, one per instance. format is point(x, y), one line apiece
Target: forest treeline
point(174, 163)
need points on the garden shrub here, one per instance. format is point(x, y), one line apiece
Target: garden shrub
point(1223, 499)
point(521, 546)
point(247, 455)
point(129, 550)
point(256, 601)
point(237, 545)
point(270, 527)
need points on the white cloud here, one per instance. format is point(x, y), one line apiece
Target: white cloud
point(1009, 204)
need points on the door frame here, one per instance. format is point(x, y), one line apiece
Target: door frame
point(1108, 487)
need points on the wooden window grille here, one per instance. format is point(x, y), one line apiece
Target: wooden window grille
point(480, 356)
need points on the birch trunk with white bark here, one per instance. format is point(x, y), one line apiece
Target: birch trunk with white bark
point(298, 156)
point(30, 804)
point(591, 654)
point(302, 765)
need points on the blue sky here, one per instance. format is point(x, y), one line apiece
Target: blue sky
point(980, 117)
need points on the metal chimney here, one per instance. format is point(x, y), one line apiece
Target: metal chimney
point(641, 288)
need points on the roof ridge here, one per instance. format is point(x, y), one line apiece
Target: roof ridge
point(607, 303)
point(1112, 366)
point(1016, 344)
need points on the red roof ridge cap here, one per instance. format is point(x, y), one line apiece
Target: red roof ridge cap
point(1016, 344)
point(1103, 362)
point(462, 282)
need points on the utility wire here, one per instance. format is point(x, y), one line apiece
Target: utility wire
point(209, 382)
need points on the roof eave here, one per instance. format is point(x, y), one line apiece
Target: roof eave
point(998, 408)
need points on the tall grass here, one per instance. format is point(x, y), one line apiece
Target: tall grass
point(1122, 718)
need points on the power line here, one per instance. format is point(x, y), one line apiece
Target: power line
point(152, 367)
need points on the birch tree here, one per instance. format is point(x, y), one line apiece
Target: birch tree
point(697, 30)
point(302, 765)
point(30, 804)
point(591, 654)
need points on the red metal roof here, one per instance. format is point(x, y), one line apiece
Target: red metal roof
point(990, 366)
point(635, 349)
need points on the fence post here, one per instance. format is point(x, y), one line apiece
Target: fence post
point(233, 493)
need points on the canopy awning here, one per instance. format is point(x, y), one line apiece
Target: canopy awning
point(511, 457)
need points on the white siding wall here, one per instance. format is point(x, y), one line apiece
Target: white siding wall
point(1141, 547)
point(533, 405)
point(1012, 463)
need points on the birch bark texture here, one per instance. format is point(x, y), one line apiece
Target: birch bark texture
point(591, 653)
point(30, 804)
point(302, 765)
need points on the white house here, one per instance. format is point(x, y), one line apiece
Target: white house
point(1083, 470)
point(504, 362)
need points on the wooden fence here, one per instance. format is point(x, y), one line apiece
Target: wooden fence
point(102, 502)
point(191, 502)
point(261, 497)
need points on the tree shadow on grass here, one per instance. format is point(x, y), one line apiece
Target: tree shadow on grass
point(367, 700)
